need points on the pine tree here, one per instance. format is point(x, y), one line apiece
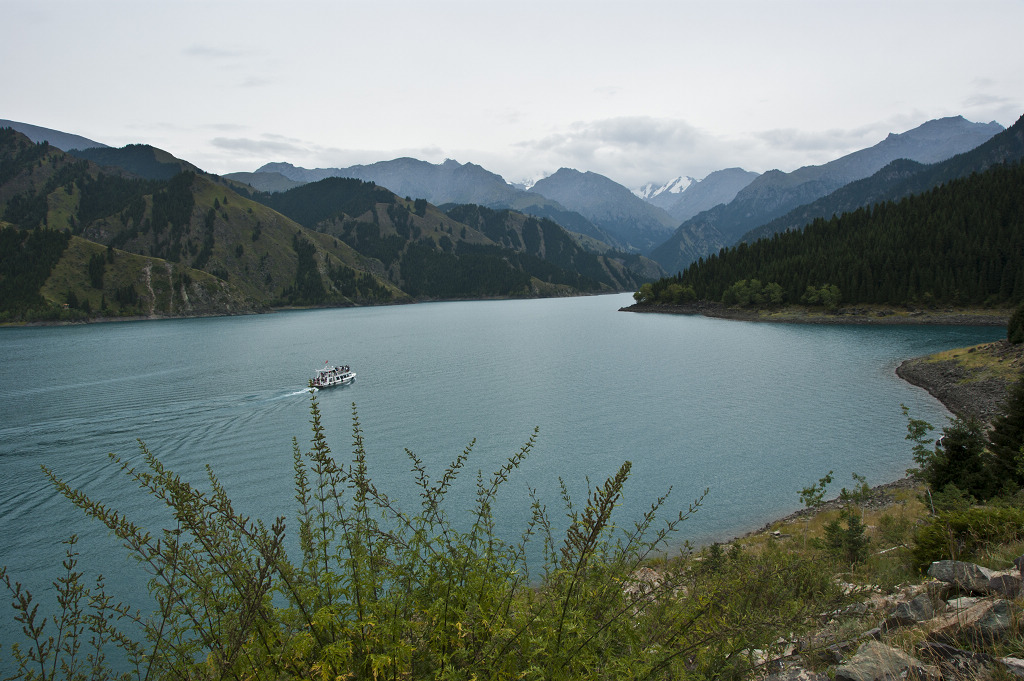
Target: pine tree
point(1006, 439)
point(1015, 327)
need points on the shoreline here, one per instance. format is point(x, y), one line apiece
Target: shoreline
point(858, 315)
point(966, 390)
point(880, 497)
point(285, 308)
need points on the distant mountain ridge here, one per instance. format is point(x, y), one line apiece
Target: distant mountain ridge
point(775, 193)
point(264, 182)
point(957, 244)
point(900, 179)
point(142, 160)
point(448, 182)
point(676, 185)
point(608, 205)
point(721, 186)
point(62, 140)
point(641, 227)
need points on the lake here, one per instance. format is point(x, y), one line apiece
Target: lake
point(755, 412)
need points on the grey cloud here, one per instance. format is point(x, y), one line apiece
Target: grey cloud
point(267, 146)
point(632, 133)
point(255, 81)
point(225, 127)
point(793, 139)
point(634, 150)
point(210, 52)
point(987, 101)
point(630, 150)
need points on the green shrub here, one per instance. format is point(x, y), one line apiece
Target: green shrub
point(958, 458)
point(760, 601)
point(951, 498)
point(849, 543)
point(961, 534)
point(893, 530)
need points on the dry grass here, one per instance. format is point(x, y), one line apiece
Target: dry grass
point(988, 360)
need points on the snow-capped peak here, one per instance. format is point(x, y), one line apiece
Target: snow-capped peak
point(674, 186)
point(527, 183)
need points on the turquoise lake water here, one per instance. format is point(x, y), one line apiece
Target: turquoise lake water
point(755, 412)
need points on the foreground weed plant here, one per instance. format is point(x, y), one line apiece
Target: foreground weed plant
point(378, 592)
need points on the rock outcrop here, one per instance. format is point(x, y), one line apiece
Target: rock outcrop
point(961, 613)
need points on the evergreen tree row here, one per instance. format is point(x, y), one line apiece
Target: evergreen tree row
point(26, 259)
point(959, 244)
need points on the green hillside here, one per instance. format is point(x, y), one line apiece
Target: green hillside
point(460, 253)
point(961, 244)
point(147, 234)
point(542, 238)
point(183, 246)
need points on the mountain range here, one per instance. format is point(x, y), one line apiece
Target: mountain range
point(900, 179)
point(959, 243)
point(421, 223)
point(775, 193)
point(685, 197)
point(587, 203)
point(709, 214)
point(135, 231)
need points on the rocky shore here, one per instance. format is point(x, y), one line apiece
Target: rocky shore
point(964, 608)
point(969, 381)
point(939, 629)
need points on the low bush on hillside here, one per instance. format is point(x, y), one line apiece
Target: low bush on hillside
point(962, 534)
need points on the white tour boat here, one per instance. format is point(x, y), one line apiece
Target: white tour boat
point(328, 376)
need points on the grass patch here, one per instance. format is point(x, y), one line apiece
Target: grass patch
point(987, 360)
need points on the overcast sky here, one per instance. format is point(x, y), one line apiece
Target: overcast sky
point(638, 91)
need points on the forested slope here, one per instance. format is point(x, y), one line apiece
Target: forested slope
point(900, 179)
point(82, 241)
point(463, 252)
point(152, 235)
point(959, 244)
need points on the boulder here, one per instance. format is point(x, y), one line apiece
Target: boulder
point(1005, 585)
point(982, 623)
point(1013, 666)
point(855, 610)
point(965, 576)
point(919, 609)
point(954, 662)
point(962, 603)
point(875, 661)
point(642, 582)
